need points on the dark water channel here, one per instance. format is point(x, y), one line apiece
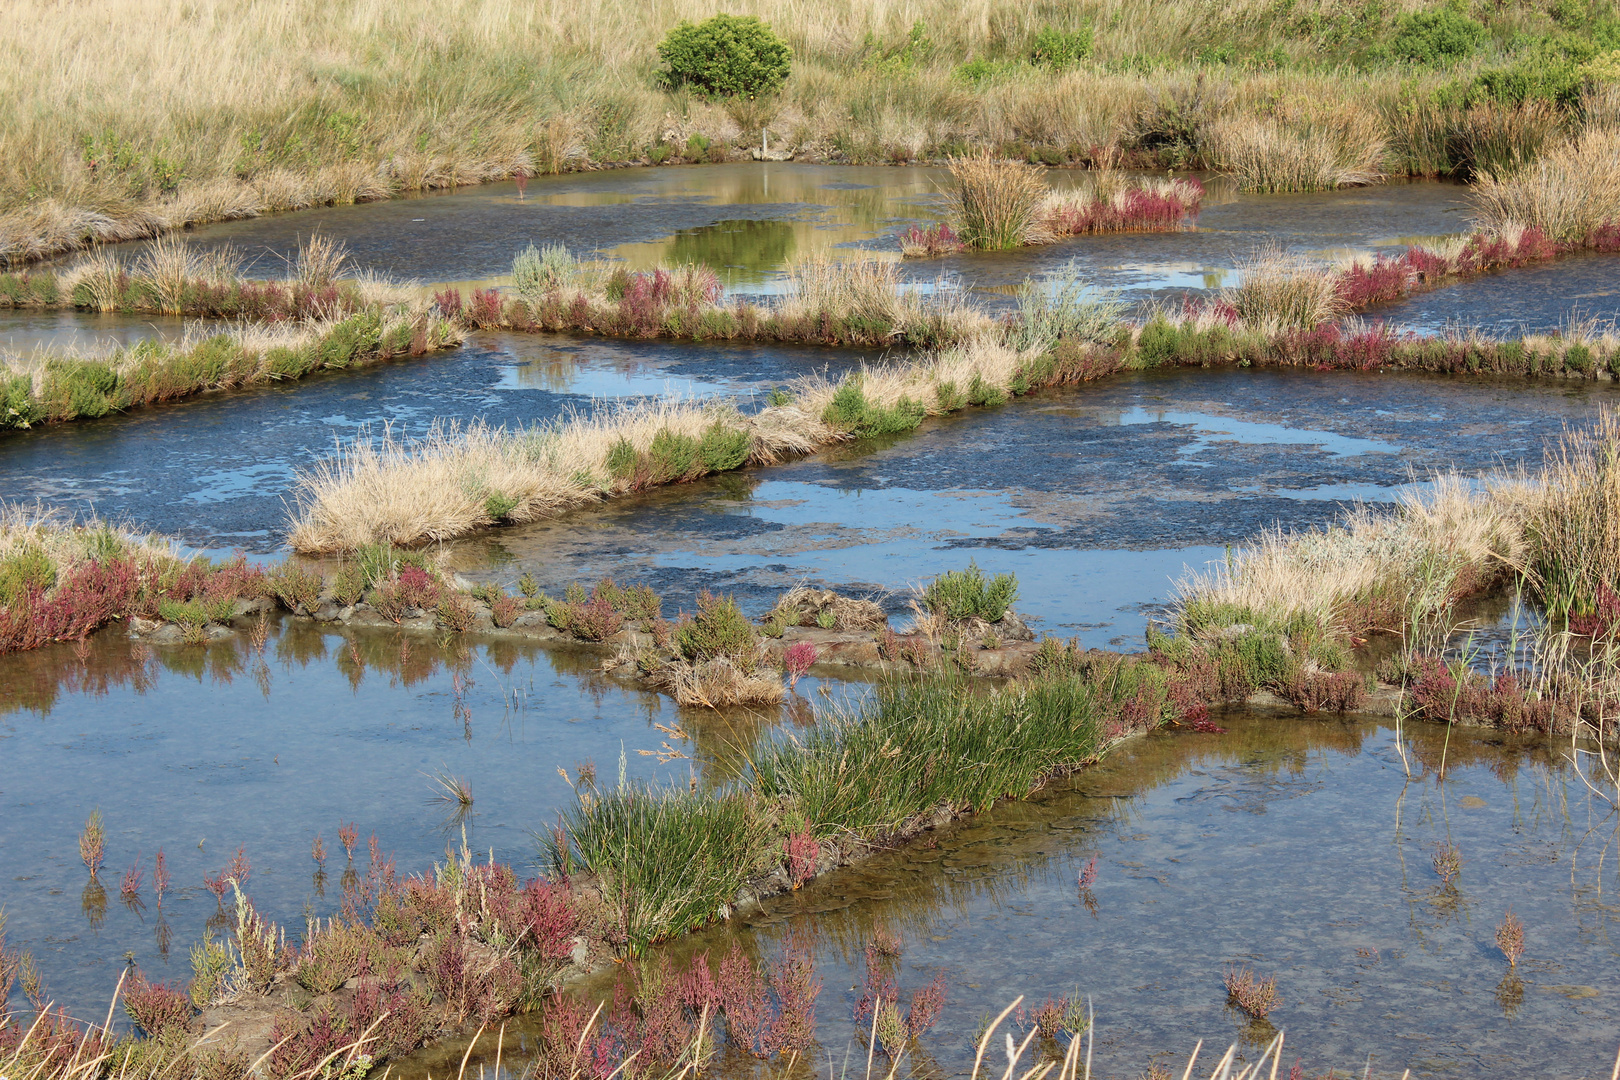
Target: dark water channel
point(1301, 848)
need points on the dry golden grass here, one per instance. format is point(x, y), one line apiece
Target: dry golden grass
point(718, 683)
point(1277, 291)
point(1408, 561)
point(130, 117)
point(1568, 193)
point(65, 540)
point(381, 489)
point(997, 204)
point(1305, 154)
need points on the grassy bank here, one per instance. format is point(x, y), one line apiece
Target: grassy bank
point(456, 481)
point(469, 943)
point(1553, 533)
point(61, 579)
point(259, 107)
point(314, 320)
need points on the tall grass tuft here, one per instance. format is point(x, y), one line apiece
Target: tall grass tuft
point(1063, 307)
point(667, 859)
point(1278, 291)
point(928, 744)
point(1308, 154)
point(1571, 193)
point(996, 205)
point(1573, 528)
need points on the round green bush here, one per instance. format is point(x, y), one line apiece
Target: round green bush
point(1436, 37)
point(727, 55)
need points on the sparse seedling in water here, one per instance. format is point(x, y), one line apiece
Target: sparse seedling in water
point(93, 843)
point(452, 789)
point(129, 888)
point(348, 836)
point(1510, 938)
point(160, 877)
point(1448, 862)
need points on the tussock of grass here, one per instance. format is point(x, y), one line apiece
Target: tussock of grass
point(996, 204)
point(668, 859)
point(1571, 193)
point(1269, 154)
point(1278, 292)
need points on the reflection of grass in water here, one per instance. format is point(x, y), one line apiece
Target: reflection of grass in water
point(762, 247)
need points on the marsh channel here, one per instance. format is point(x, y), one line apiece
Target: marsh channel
point(1299, 846)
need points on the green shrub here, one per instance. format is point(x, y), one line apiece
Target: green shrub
point(80, 387)
point(18, 409)
point(978, 72)
point(723, 448)
point(718, 629)
point(498, 504)
point(849, 411)
point(1578, 358)
point(967, 594)
point(672, 455)
point(726, 56)
point(1060, 48)
point(1436, 37)
point(23, 571)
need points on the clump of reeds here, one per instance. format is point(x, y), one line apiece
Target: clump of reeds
point(996, 204)
point(668, 859)
point(1271, 154)
point(1277, 291)
point(1571, 192)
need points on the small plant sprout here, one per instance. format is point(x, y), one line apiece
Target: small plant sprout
point(93, 843)
point(129, 888)
point(452, 789)
point(317, 851)
point(348, 836)
point(1088, 874)
point(160, 877)
point(1448, 862)
point(1255, 996)
point(1510, 938)
point(796, 661)
point(800, 852)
